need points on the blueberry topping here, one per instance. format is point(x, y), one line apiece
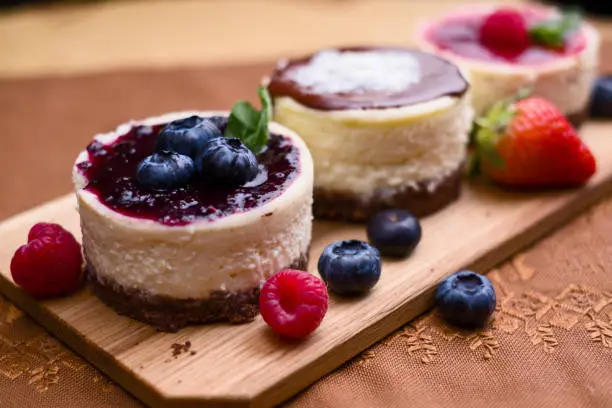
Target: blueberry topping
point(466, 299)
point(111, 171)
point(219, 121)
point(165, 170)
point(394, 232)
point(226, 162)
point(187, 136)
point(350, 267)
point(601, 98)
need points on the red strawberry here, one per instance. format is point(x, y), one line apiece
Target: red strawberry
point(505, 32)
point(529, 143)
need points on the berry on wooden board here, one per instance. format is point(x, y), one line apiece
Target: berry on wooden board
point(601, 98)
point(350, 267)
point(50, 264)
point(529, 143)
point(293, 303)
point(394, 233)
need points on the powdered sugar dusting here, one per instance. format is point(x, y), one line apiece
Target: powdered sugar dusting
point(337, 72)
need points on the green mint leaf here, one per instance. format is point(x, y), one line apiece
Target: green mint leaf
point(266, 101)
point(259, 138)
point(250, 125)
point(242, 116)
point(242, 121)
point(548, 34)
point(553, 33)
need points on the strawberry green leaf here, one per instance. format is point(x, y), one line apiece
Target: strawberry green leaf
point(473, 165)
point(486, 144)
point(553, 33)
point(491, 128)
point(250, 125)
point(489, 152)
point(473, 132)
point(522, 93)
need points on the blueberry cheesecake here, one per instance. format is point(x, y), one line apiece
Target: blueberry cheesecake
point(184, 215)
point(387, 127)
point(504, 50)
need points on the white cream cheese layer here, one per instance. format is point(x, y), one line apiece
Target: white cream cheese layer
point(362, 152)
point(232, 253)
point(567, 81)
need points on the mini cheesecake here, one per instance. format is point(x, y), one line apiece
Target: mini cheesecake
point(564, 75)
point(194, 254)
point(387, 128)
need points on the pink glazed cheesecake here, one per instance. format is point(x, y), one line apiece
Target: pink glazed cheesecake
point(503, 50)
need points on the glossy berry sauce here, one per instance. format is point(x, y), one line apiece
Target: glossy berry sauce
point(460, 35)
point(111, 171)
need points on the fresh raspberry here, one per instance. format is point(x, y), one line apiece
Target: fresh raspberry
point(505, 33)
point(293, 303)
point(44, 229)
point(50, 264)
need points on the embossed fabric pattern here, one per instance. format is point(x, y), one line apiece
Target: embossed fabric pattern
point(548, 345)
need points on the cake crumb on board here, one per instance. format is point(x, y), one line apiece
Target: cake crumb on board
point(181, 348)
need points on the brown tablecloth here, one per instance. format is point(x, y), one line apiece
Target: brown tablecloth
point(549, 345)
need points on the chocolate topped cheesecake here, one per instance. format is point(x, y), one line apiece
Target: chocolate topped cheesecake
point(171, 240)
point(387, 127)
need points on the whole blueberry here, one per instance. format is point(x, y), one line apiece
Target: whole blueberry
point(187, 136)
point(350, 267)
point(226, 162)
point(165, 170)
point(601, 98)
point(466, 299)
point(394, 232)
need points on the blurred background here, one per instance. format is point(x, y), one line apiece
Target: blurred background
point(49, 37)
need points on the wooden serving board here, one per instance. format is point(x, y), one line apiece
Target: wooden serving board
point(246, 365)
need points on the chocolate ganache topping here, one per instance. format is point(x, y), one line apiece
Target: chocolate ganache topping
point(366, 78)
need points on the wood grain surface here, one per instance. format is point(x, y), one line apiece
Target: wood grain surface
point(247, 365)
